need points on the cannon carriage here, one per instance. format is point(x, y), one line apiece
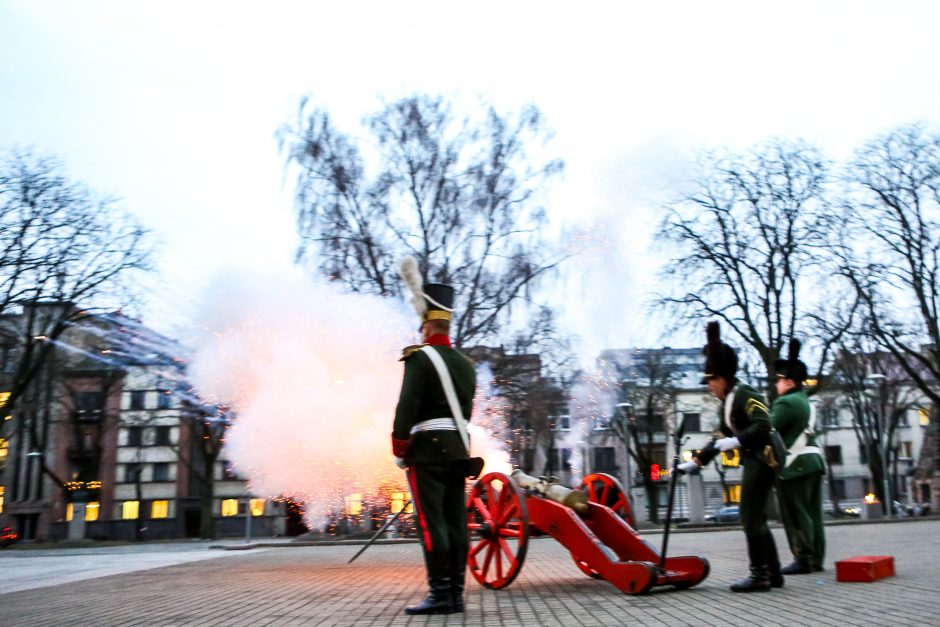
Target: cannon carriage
point(594, 523)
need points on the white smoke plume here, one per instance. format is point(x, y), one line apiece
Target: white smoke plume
point(313, 374)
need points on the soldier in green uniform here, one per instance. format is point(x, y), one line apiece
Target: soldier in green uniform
point(427, 444)
point(744, 425)
point(802, 471)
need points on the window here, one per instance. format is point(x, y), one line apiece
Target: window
point(4, 451)
point(164, 399)
point(130, 510)
point(907, 448)
point(862, 453)
point(135, 436)
point(228, 472)
point(561, 422)
point(830, 418)
point(162, 436)
point(230, 507)
point(2, 490)
point(161, 471)
point(132, 473)
point(89, 403)
point(353, 505)
point(257, 507)
point(733, 493)
point(651, 424)
point(693, 422)
point(834, 454)
point(91, 511)
point(137, 399)
point(604, 459)
point(159, 509)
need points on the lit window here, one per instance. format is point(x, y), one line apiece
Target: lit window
point(91, 510)
point(230, 507)
point(4, 450)
point(354, 504)
point(257, 507)
point(2, 489)
point(923, 417)
point(130, 510)
point(398, 501)
point(159, 509)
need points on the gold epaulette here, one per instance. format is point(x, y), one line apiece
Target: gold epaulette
point(408, 351)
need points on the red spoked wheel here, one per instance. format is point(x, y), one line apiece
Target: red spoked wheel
point(606, 490)
point(499, 530)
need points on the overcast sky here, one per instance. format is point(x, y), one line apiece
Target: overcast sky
point(173, 106)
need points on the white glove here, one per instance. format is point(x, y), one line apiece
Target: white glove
point(726, 444)
point(400, 462)
point(687, 467)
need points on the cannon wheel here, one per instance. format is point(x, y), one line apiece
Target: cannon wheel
point(606, 490)
point(499, 530)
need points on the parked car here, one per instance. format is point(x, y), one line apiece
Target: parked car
point(846, 511)
point(727, 514)
point(7, 537)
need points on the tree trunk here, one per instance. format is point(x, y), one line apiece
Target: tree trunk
point(206, 515)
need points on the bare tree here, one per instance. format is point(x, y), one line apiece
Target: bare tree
point(650, 385)
point(888, 238)
point(891, 248)
point(64, 254)
point(460, 195)
point(878, 394)
point(744, 239)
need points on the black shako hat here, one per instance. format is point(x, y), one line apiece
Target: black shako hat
point(440, 301)
point(720, 359)
point(792, 367)
point(432, 301)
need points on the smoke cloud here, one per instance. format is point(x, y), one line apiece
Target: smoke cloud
point(313, 374)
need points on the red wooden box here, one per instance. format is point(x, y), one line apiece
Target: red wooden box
point(866, 568)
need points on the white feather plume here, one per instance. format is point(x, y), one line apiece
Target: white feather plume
point(408, 269)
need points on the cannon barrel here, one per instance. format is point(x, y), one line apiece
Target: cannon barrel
point(575, 499)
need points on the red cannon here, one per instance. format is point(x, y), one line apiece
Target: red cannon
point(504, 512)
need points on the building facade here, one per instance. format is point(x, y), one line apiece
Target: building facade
point(103, 444)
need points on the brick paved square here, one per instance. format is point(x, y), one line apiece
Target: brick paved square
point(314, 586)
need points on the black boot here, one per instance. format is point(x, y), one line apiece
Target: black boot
point(458, 570)
point(758, 581)
point(796, 568)
point(439, 600)
point(773, 563)
point(759, 556)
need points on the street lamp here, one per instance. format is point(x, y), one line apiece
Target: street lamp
point(878, 381)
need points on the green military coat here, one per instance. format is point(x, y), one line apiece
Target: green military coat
point(790, 417)
point(422, 398)
point(749, 422)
